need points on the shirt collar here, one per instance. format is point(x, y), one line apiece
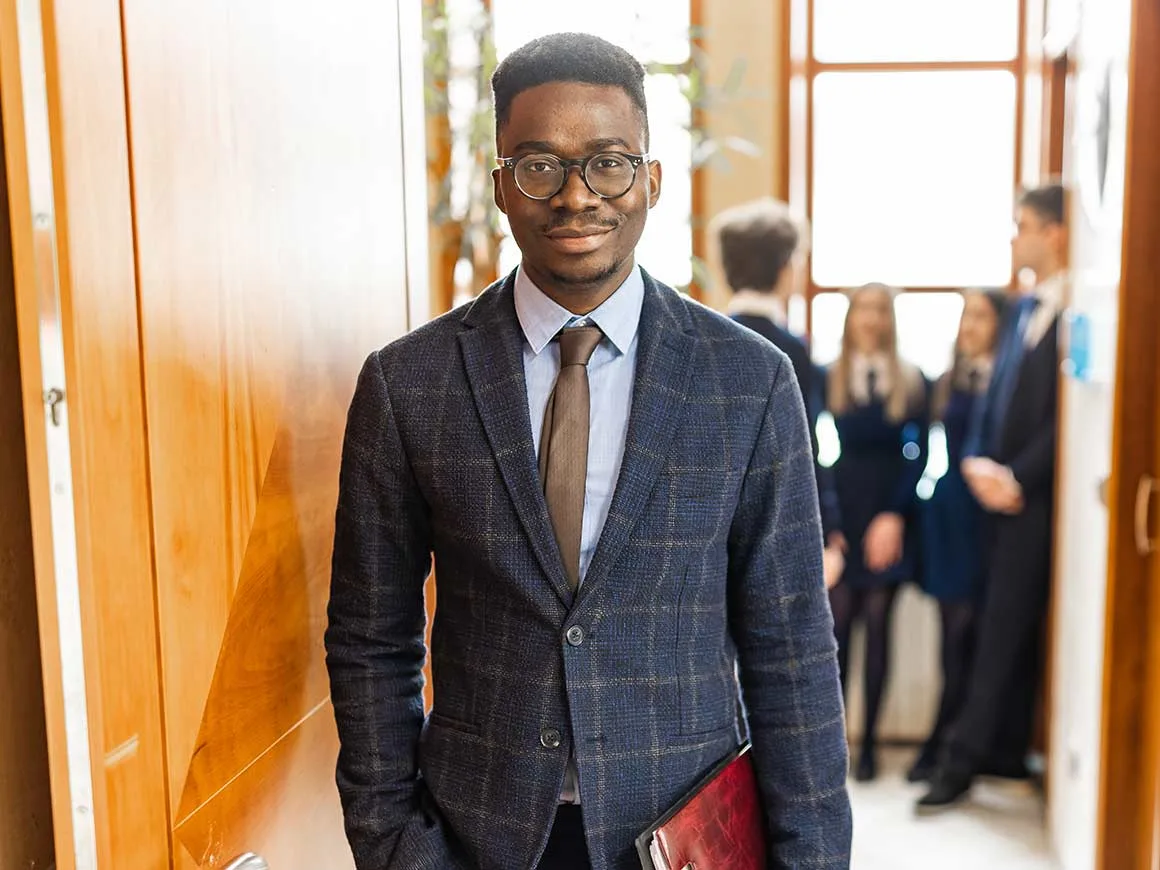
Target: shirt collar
point(541, 318)
point(1051, 292)
point(756, 304)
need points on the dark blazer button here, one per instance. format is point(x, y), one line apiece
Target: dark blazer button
point(550, 738)
point(575, 635)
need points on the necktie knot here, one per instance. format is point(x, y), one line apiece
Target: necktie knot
point(578, 344)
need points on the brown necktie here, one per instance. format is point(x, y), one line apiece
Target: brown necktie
point(564, 444)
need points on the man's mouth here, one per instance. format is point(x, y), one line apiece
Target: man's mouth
point(577, 240)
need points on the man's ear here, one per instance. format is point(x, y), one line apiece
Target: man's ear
point(654, 182)
point(497, 190)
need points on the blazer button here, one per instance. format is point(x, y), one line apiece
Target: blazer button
point(575, 635)
point(550, 738)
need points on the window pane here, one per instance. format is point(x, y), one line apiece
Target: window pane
point(909, 30)
point(913, 178)
point(927, 326)
point(829, 317)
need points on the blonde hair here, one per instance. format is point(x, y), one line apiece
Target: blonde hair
point(906, 385)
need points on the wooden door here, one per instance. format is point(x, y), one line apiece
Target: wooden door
point(267, 169)
point(1129, 792)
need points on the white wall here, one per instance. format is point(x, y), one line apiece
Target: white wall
point(1086, 423)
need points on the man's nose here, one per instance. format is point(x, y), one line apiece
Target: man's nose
point(575, 195)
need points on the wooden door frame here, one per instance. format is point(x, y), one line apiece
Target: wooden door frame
point(1130, 749)
point(114, 791)
point(15, 167)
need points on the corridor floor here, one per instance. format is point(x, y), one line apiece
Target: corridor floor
point(1000, 828)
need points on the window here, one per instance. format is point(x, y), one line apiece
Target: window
point(656, 31)
point(904, 129)
point(905, 119)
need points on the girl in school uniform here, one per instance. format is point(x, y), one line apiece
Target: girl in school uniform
point(879, 405)
point(952, 521)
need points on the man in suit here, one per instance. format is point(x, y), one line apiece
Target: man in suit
point(598, 591)
point(762, 248)
point(1011, 471)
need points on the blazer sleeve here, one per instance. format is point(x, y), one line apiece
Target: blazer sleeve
point(780, 621)
point(374, 639)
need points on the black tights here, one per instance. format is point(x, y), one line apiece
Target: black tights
point(875, 606)
point(958, 652)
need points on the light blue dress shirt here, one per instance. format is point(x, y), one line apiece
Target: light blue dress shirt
point(611, 376)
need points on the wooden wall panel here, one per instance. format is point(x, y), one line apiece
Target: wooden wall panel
point(268, 192)
point(25, 800)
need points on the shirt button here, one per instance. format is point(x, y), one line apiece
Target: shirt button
point(550, 738)
point(575, 635)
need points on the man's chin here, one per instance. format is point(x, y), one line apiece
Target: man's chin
point(582, 275)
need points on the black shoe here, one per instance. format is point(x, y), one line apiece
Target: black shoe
point(924, 766)
point(946, 790)
point(867, 770)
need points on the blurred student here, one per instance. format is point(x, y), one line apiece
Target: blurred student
point(952, 522)
point(762, 252)
point(1010, 468)
point(879, 405)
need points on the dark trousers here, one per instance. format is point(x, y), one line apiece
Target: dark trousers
point(998, 713)
point(566, 847)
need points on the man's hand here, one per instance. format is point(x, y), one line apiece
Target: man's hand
point(993, 485)
point(882, 545)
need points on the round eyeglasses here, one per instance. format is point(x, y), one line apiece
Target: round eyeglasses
point(609, 174)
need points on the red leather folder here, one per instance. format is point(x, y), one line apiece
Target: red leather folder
point(718, 825)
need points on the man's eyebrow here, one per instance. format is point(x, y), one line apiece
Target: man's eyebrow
point(611, 142)
point(592, 147)
point(533, 145)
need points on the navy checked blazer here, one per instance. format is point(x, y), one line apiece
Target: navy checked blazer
point(710, 558)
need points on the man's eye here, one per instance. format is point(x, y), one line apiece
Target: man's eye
point(539, 166)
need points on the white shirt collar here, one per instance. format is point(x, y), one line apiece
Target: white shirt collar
point(541, 319)
point(757, 304)
point(1051, 292)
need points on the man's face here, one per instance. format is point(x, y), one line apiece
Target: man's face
point(1033, 242)
point(575, 241)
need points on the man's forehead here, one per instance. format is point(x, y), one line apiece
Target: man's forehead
point(574, 114)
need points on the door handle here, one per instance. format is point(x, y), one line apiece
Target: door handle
point(1145, 544)
point(248, 861)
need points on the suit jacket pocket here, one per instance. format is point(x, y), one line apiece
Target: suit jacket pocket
point(438, 720)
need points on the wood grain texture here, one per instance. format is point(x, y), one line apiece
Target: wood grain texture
point(29, 305)
point(290, 788)
point(25, 798)
point(102, 354)
point(1129, 833)
point(267, 169)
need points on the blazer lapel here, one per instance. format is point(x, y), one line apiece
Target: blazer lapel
point(663, 366)
point(492, 347)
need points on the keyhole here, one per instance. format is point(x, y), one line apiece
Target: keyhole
point(53, 398)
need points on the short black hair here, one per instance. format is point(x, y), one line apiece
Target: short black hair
point(1047, 201)
point(758, 239)
point(567, 57)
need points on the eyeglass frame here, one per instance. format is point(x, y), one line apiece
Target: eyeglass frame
point(635, 160)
